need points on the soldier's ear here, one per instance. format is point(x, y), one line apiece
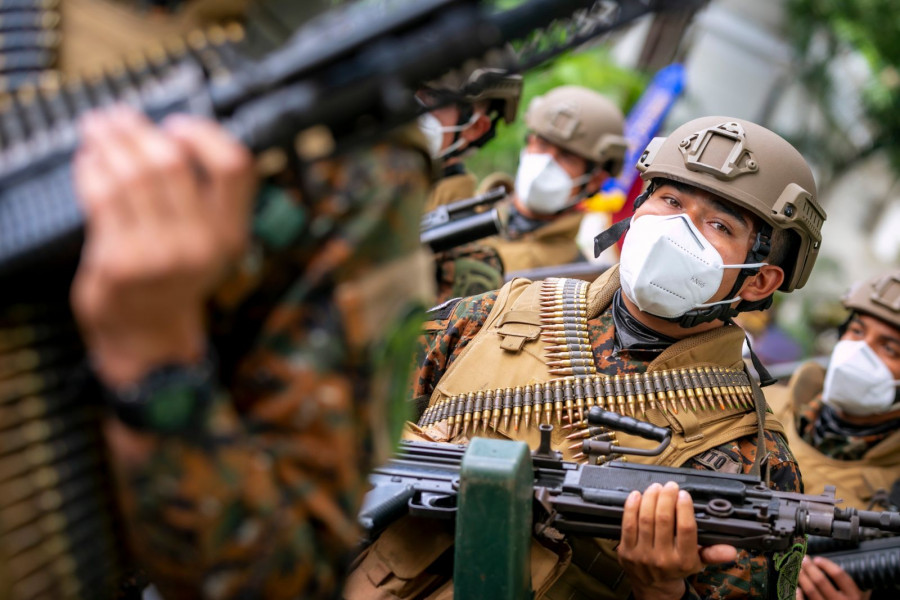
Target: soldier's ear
point(763, 284)
point(477, 129)
point(598, 176)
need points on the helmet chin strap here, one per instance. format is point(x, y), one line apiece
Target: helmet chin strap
point(725, 312)
point(614, 232)
point(717, 312)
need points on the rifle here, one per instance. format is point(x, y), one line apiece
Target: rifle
point(463, 221)
point(874, 564)
point(582, 499)
point(345, 77)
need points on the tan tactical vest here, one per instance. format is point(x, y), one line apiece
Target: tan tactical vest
point(856, 480)
point(450, 189)
point(509, 352)
point(552, 244)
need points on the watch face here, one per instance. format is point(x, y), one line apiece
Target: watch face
point(172, 407)
point(167, 400)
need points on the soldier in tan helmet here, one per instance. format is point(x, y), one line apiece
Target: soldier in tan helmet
point(468, 107)
point(730, 216)
point(469, 104)
point(574, 144)
point(843, 422)
point(251, 347)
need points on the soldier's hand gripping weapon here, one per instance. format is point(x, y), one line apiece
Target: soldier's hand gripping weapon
point(344, 77)
point(580, 499)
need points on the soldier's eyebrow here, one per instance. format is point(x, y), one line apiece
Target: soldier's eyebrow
point(726, 207)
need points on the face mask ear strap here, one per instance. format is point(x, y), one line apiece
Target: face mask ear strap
point(466, 118)
point(579, 198)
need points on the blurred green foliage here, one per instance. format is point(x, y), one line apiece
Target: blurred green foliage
point(824, 28)
point(592, 68)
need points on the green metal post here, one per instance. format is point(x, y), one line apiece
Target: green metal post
point(493, 523)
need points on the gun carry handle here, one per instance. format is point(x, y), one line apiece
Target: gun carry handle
point(612, 420)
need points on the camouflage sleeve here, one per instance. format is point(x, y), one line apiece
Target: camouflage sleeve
point(259, 499)
point(468, 271)
point(755, 574)
point(447, 331)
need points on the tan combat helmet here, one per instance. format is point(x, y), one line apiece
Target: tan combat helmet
point(878, 296)
point(752, 167)
point(581, 121)
point(487, 79)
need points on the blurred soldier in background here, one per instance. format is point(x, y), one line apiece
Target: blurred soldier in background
point(729, 217)
point(469, 106)
point(843, 423)
point(468, 109)
point(250, 335)
point(574, 144)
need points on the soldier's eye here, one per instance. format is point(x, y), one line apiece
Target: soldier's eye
point(722, 227)
point(673, 202)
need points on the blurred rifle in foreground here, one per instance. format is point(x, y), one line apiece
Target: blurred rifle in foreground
point(463, 221)
point(345, 77)
point(873, 562)
point(577, 499)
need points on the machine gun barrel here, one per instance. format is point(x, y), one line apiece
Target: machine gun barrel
point(344, 79)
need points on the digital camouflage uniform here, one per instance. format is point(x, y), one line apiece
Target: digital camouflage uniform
point(450, 329)
point(314, 337)
point(842, 447)
point(862, 462)
point(311, 337)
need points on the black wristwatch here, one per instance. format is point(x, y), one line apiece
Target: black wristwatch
point(169, 399)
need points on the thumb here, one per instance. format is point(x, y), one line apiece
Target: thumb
point(719, 553)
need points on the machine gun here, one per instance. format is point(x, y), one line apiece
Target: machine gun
point(346, 76)
point(578, 499)
point(463, 221)
point(342, 79)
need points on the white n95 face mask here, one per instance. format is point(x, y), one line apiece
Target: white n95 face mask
point(434, 132)
point(857, 381)
point(668, 268)
point(542, 185)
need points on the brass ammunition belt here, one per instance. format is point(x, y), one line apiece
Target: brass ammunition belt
point(34, 100)
point(29, 37)
point(691, 389)
point(564, 327)
point(59, 533)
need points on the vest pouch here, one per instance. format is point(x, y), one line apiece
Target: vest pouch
point(405, 562)
point(408, 561)
point(517, 327)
